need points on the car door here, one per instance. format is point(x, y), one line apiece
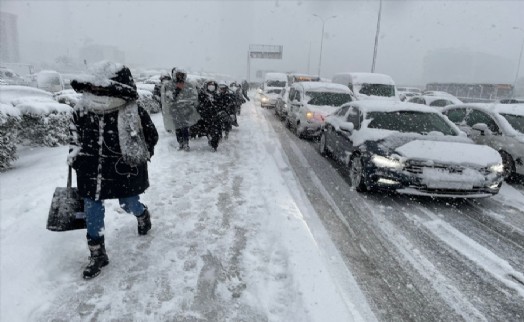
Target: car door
point(296, 104)
point(489, 138)
point(331, 129)
point(344, 144)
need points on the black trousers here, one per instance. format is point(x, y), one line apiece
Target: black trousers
point(182, 135)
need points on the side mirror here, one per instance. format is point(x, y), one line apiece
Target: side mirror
point(347, 126)
point(482, 128)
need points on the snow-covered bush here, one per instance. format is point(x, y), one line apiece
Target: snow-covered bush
point(51, 129)
point(147, 102)
point(43, 121)
point(9, 125)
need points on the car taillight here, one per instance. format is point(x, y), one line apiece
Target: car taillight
point(319, 117)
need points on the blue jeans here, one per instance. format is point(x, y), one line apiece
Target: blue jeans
point(95, 212)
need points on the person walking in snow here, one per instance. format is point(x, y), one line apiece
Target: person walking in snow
point(245, 88)
point(164, 77)
point(208, 109)
point(226, 103)
point(179, 102)
point(111, 140)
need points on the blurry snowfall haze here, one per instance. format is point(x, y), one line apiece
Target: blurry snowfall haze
point(419, 42)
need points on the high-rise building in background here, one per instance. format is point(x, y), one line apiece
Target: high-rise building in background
point(9, 48)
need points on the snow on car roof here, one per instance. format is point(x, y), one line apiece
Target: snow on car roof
point(392, 106)
point(431, 98)
point(324, 87)
point(276, 76)
point(371, 78)
point(9, 93)
point(514, 109)
point(29, 100)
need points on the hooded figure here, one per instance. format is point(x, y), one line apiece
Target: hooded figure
point(164, 77)
point(210, 113)
point(179, 101)
point(111, 140)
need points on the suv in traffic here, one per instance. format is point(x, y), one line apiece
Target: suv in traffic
point(500, 126)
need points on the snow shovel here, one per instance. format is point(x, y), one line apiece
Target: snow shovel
point(67, 209)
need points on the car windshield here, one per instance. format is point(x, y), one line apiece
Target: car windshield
point(516, 121)
point(327, 98)
point(276, 83)
point(377, 90)
point(274, 91)
point(409, 122)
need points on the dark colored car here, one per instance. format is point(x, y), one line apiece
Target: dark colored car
point(409, 148)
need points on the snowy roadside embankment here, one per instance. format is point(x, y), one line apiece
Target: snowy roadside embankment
point(230, 241)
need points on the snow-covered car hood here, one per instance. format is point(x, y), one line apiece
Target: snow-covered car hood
point(450, 152)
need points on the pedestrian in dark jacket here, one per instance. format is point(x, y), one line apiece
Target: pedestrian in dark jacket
point(245, 88)
point(226, 103)
point(111, 140)
point(210, 113)
point(239, 98)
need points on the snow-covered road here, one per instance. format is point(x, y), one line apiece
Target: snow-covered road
point(419, 258)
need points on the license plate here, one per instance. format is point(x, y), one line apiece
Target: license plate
point(443, 179)
point(449, 185)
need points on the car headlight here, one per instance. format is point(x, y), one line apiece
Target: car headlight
point(383, 162)
point(498, 168)
point(264, 99)
point(309, 115)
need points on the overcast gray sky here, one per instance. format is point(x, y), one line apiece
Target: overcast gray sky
point(215, 35)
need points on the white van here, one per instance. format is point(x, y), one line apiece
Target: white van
point(368, 85)
point(275, 80)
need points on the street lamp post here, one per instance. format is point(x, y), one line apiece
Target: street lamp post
point(322, 39)
point(376, 38)
point(518, 64)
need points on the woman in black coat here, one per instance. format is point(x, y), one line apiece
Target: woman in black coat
point(111, 140)
point(209, 111)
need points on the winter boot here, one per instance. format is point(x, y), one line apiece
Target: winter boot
point(98, 257)
point(144, 222)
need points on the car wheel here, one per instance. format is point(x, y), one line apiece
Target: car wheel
point(322, 145)
point(509, 166)
point(356, 173)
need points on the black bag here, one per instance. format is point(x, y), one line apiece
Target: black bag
point(67, 209)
